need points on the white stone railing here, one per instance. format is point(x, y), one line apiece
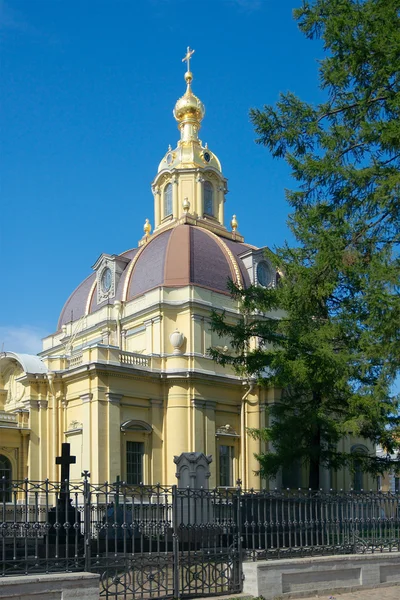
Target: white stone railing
point(9, 418)
point(76, 360)
point(108, 355)
point(134, 360)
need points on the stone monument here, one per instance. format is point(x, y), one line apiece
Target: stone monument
point(194, 505)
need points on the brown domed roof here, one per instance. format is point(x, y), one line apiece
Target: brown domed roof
point(181, 256)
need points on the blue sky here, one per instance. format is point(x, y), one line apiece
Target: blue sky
point(88, 91)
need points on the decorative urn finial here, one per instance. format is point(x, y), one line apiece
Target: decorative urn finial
point(186, 205)
point(176, 338)
point(234, 223)
point(147, 228)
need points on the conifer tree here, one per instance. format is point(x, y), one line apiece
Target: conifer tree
point(336, 350)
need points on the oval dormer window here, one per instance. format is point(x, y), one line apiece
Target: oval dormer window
point(263, 274)
point(208, 199)
point(168, 200)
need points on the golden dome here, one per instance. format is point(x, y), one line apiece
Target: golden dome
point(189, 111)
point(189, 107)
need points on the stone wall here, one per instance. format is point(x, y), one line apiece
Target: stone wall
point(324, 574)
point(59, 586)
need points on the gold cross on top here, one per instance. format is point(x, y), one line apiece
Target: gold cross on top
point(187, 58)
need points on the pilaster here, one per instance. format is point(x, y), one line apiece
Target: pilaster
point(175, 203)
point(34, 441)
point(157, 206)
point(197, 335)
point(221, 200)
point(199, 206)
point(86, 432)
point(114, 435)
point(43, 439)
point(157, 418)
point(253, 445)
point(198, 443)
point(209, 436)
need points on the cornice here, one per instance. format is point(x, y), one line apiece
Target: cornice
point(114, 398)
point(86, 397)
point(157, 305)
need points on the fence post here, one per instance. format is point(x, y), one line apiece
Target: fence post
point(239, 532)
point(175, 541)
point(86, 512)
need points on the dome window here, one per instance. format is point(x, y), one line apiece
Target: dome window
point(264, 276)
point(168, 200)
point(208, 199)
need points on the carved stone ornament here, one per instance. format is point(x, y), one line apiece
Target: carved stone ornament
point(75, 425)
point(176, 338)
point(226, 430)
point(105, 291)
point(15, 389)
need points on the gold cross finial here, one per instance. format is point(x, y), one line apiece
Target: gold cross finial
point(187, 58)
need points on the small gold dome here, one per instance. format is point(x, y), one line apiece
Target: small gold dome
point(189, 106)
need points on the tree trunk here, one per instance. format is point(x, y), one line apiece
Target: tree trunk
point(313, 479)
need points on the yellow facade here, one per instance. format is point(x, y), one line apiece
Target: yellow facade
point(128, 381)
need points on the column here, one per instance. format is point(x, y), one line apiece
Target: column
point(176, 430)
point(221, 200)
point(199, 207)
point(157, 207)
point(253, 446)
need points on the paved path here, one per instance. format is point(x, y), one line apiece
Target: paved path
point(380, 593)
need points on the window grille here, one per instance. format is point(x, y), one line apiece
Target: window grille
point(134, 462)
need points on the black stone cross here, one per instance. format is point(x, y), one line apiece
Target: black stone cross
point(65, 460)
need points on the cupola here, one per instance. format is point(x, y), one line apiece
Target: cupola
point(189, 175)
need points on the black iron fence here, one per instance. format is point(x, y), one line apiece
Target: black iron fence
point(166, 542)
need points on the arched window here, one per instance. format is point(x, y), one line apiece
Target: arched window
point(5, 484)
point(137, 450)
point(168, 200)
point(208, 199)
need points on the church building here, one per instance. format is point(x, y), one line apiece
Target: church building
point(126, 378)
